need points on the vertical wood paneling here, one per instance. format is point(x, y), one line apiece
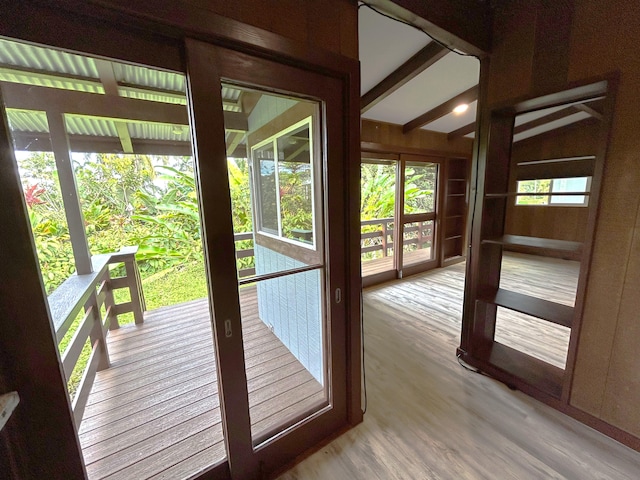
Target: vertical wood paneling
point(607, 366)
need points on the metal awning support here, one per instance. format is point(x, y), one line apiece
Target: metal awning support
point(67, 179)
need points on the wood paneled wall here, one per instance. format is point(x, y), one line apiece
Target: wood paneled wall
point(606, 380)
point(561, 223)
point(388, 134)
point(329, 24)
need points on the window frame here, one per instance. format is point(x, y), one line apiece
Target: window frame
point(550, 194)
point(257, 194)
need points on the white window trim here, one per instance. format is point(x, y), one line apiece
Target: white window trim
point(551, 194)
point(274, 141)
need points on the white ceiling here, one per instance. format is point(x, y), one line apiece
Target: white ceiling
point(386, 44)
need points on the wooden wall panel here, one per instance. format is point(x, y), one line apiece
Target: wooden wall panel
point(316, 23)
point(608, 363)
point(605, 382)
point(391, 134)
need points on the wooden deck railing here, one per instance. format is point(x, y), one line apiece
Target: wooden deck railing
point(93, 292)
point(379, 236)
point(245, 253)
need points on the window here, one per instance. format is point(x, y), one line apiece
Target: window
point(572, 191)
point(284, 173)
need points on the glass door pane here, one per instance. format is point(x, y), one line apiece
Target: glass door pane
point(104, 153)
point(377, 215)
point(420, 181)
point(278, 207)
point(419, 212)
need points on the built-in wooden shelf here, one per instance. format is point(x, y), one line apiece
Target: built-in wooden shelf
point(537, 307)
point(542, 244)
point(534, 372)
point(453, 231)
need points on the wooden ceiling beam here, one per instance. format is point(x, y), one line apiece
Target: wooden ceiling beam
point(41, 142)
point(462, 131)
point(468, 96)
point(110, 85)
point(552, 117)
point(28, 97)
point(461, 24)
point(406, 72)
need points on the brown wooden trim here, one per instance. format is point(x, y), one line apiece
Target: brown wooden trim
point(475, 205)
point(604, 138)
point(371, 147)
point(441, 110)
point(591, 88)
point(365, 157)
point(204, 93)
point(31, 362)
point(403, 74)
point(354, 332)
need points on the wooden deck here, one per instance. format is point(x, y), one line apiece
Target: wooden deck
point(384, 264)
point(155, 413)
point(428, 418)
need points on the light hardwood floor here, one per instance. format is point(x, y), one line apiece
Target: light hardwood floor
point(428, 418)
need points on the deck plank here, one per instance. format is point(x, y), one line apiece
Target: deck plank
point(156, 413)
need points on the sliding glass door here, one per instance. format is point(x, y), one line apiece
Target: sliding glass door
point(399, 215)
point(268, 148)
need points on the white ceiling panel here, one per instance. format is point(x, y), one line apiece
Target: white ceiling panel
point(448, 77)
point(453, 121)
point(384, 45)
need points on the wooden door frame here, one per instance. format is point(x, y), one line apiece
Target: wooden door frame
point(434, 262)
point(211, 66)
point(131, 33)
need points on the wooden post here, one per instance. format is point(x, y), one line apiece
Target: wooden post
point(67, 179)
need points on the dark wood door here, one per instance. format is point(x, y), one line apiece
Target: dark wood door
point(282, 126)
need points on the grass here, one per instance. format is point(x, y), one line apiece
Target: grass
point(169, 287)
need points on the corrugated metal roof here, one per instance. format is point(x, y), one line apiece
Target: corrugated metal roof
point(159, 131)
point(149, 77)
point(27, 121)
point(47, 67)
point(80, 125)
point(47, 59)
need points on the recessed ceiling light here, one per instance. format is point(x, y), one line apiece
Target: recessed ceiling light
point(461, 109)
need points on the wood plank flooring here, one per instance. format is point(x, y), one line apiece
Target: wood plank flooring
point(156, 412)
point(428, 418)
point(384, 264)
